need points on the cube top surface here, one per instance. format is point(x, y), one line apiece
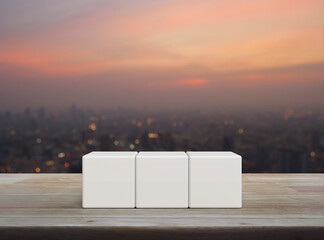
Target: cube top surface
point(157, 154)
point(215, 154)
point(112, 154)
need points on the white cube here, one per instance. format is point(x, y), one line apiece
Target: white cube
point(215, 180)
point(108, 180)
point(162, 180)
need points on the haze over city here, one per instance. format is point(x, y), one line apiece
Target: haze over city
point(161, 54)
point(161, 75)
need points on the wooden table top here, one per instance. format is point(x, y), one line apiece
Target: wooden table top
point(40, 203)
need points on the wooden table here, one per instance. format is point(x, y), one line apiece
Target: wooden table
point(275, 206)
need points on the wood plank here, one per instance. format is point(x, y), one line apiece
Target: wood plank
point(287, 203)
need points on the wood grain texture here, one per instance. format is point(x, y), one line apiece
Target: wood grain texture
point(274, 205)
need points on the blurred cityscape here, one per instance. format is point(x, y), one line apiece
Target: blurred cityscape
point(287, 140)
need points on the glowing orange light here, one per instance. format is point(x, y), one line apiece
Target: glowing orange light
point(139, 124)
point(153, 135)
point(92, 126)
point(37, 170)
point(50, 163)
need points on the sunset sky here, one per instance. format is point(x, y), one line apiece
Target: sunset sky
point(161, 53)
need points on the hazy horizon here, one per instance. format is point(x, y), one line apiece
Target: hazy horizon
point(161, 54)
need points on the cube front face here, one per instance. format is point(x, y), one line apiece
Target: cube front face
point(108, 180)
point(161, 180)
point(215, 180)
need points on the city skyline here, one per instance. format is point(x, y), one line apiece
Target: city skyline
point(271, 141)
point(161, 54)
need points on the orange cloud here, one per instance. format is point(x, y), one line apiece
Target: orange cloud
point(221, 36)
point(183, 83)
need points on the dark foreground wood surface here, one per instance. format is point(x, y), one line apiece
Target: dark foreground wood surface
point(48, 206)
